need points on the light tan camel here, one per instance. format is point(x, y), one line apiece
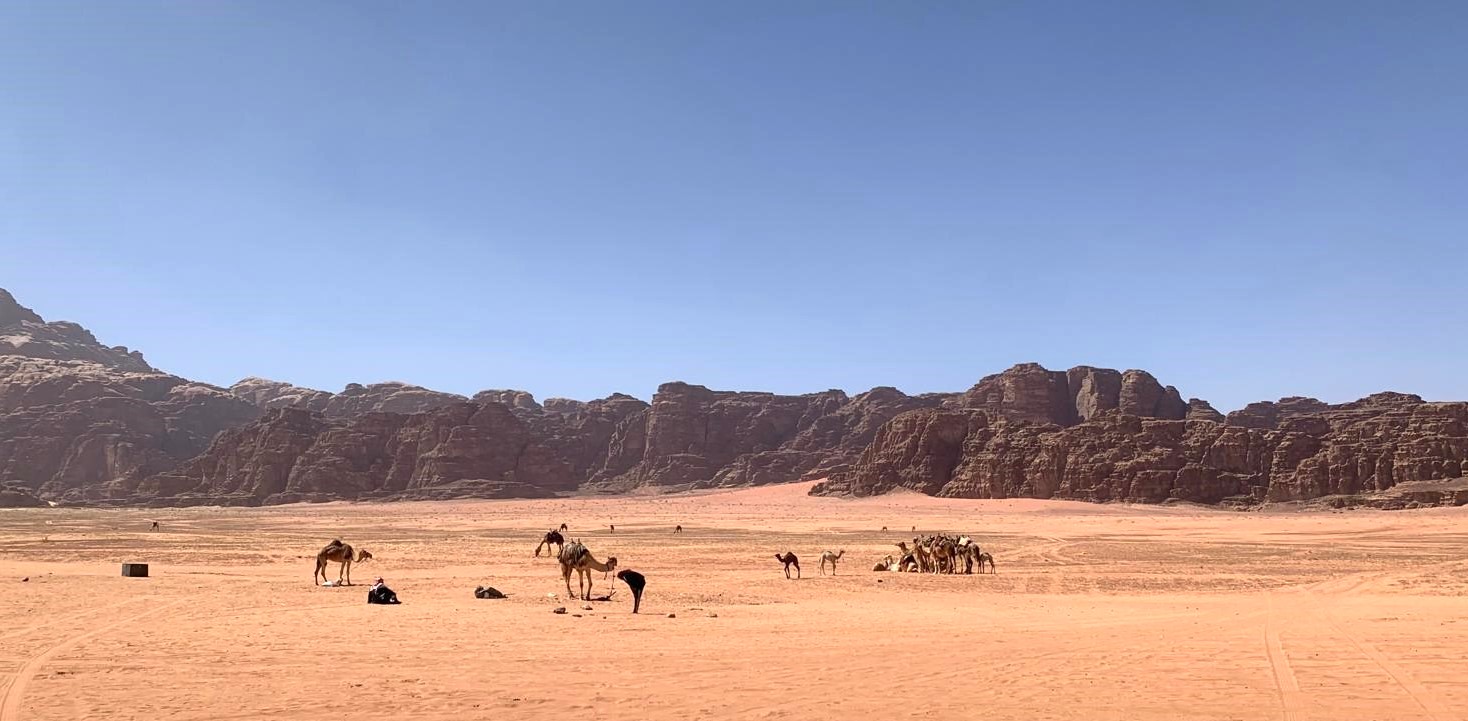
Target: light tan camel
point(575, 557)
point(831, 558)
point(338, 552)
point(922, 555)
point(886, 564)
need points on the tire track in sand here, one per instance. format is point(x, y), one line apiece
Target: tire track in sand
point(1286, 685)
point(10, 702)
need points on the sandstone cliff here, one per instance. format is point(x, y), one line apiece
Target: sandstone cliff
point(354, 400)
point(292, 454)
point(86, 423)
point(1369, 445)
point(75, 414)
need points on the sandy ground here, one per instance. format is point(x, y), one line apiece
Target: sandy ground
point(1096, 612)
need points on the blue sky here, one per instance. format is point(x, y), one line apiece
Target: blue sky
point(1248, 199)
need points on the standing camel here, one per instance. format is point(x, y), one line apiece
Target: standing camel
point(575, 557)
point(552, 538)
point(984, 557)
point(789, 560)
point(563, 527)
point(831, 558)
point(337, 552)
point(678, 529)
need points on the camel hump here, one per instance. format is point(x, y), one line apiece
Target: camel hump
point(573, 552)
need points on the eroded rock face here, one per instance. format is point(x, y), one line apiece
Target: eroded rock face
point(1030, 392)
point(1268, 414)
point(76, 415)
point(83, 422)
point(291, 454)
point(354, 400)
point(24, 333)
point(1364, 446)
point(690, 433)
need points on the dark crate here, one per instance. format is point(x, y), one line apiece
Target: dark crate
point(135, 570)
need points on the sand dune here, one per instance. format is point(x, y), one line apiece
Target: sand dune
point(1101, 612)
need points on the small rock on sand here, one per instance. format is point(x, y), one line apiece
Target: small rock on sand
point(672, 615)
point(559, 609)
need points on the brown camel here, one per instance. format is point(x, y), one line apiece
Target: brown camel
point(563, 527)
point(678, 529)
point(575, 557)
point(831, 558)
point(984, 557)
point(552, 538)
point(789, 560)
point(338, 552)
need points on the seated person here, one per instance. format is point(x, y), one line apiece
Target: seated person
point(380, 593)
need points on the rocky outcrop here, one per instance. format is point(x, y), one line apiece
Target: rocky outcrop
point(1268, 414)
point(1030, 392)
point(690, 434)
point(1368, 445)
point(516, 400)
point(81, 422)
point(1201, 410)
point(24, 333)
point(354, 400)
point(76, 415)
point(291, 454)
point(267, 393)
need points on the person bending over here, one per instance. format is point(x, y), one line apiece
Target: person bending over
point(636, 582)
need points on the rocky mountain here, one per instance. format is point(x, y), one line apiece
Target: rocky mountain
point(75, 415)
point(293, 454)
point(1295, 449)
point(354, 400)
point(81, 422)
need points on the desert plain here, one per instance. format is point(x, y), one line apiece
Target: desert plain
point(1096, 612)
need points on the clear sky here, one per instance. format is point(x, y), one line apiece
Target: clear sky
point(1247, 199)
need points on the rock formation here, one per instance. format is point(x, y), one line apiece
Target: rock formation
point(1369, 445)
point(292, 454)
point(354, 400)
point(1029, 392)
point(81, 422)
point(76, 415)
point(690, 433)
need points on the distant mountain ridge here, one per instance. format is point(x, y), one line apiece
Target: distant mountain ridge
point(85, 423)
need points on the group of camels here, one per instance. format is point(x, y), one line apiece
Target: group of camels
point(937, 554)
point(927, 554)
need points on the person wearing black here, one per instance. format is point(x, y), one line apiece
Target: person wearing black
point(380, 593)
point(636, 582)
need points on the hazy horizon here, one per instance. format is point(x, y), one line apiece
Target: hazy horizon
point(1246, 201)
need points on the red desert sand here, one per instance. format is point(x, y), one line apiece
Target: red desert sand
point(1096, 612)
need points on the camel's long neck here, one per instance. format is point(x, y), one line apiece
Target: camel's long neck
point(594, 564)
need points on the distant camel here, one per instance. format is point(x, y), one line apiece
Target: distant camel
point(155, 525)
point(677, 529)
point(563, 527)
point(984, 557)
point(338, 552)
point(789, 560)
point(575, 557)
point(552, 538)
point(831, 558)
point(614, 529)
point(884, 528)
